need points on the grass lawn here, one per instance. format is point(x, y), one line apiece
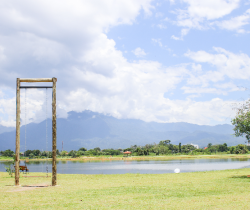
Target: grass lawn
point(228, 189)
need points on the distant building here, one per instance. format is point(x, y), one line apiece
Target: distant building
point(205, 147)
point(195, 145)
point(128, 153)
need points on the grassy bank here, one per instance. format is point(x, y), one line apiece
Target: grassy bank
point(165, 157)
point(227, 189)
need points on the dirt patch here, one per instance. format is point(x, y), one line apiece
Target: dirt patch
point(28, 187)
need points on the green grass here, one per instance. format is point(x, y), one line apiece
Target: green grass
point(6, 158)
point(228, 189)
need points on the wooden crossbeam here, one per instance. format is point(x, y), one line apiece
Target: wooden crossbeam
point(36, 79)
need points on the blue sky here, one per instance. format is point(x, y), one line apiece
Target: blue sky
point(162, 60)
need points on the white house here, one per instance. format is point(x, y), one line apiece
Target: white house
point(195, 145)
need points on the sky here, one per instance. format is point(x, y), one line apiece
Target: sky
point(153, 60)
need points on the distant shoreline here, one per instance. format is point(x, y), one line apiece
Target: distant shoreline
point(117, 158)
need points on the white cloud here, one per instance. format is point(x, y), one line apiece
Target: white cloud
point(227, 65)
point(157, 41)
point(43, 39)
point(230, 86)
point(207, 112)
point(2, 56)
point(218, 89)
point(172, 1)
point(134, 90)
point(199, 15)
point(139, 52)
point(184, 20)
point(46, 39)
point(7, 112)
point(175, 37)
point(199, 90)
point(211, 9)
point(235, 23)
point(184, 32)
point(196, 67)
point(161, 26)
point(234, 66)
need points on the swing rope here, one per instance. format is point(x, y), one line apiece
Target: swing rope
point(25, 169)
point(47, 168)
point(25, 122)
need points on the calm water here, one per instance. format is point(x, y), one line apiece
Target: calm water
point(143, 167)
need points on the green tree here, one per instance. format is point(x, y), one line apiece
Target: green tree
point(133, 147)
point(49, 154)
point(31, 155)
point(241, 149)
point(64, 153)
point(111, 152)
point(72, 153)
point(232, 149)
point(156, 150)
point(79, 153)
point(97, 149)
point(8, 153)
point(242, 121)
point(212, 148)
point(36, 152)
point(164, 142)
point(163, 149)
point(128, 149)
point(187, 148)
point(92, 152)
point(27, 153)
point(139, 151)
point(146, 151)
point(222, 147)
point(82, 149)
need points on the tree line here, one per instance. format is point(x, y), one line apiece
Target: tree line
point(162, 148)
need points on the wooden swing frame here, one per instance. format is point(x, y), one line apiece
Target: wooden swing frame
point(17, 158)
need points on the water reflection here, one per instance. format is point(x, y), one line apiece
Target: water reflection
point(128, 166)
point(243, 159)
point(7, 163)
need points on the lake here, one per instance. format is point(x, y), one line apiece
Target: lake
point(142, 167)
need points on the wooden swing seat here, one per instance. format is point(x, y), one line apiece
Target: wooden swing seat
point(23, 168)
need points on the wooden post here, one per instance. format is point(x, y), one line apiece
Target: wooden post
point(17, 131)
point(54, 172)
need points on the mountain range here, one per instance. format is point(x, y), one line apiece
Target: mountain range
point(90, 129)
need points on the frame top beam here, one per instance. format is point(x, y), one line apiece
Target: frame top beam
point(36, 80)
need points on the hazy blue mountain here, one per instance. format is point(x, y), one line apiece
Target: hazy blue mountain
point(89, 129)
point(4, 129)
